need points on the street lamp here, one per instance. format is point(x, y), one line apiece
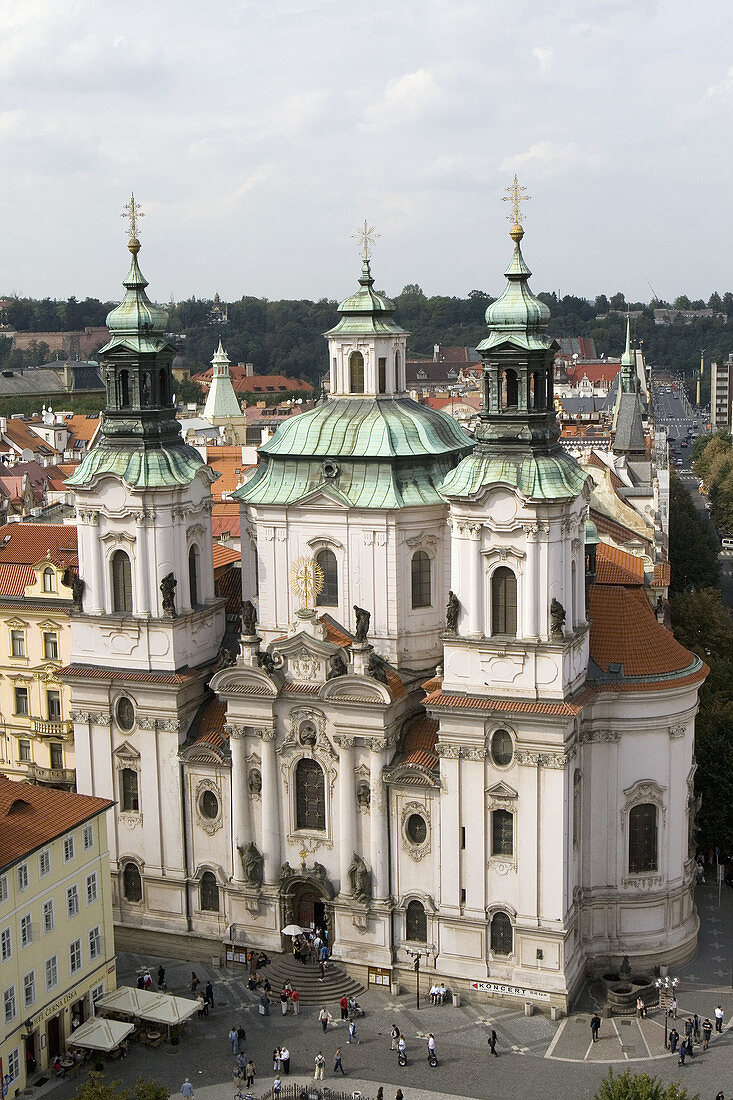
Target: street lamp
point(666, 987)
point(417, 955)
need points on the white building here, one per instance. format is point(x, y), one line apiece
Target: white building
point(509, 785)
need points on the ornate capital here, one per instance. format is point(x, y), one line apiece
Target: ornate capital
point(345, 741)
point(677, 731)
point(543, 759)
point(531, 531)
point(236, 733)
point(592, 737)
point(447, 751)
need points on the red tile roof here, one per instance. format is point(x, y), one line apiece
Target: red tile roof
point(92, 672)
point(624, 631)
point(595, 372)
point(211, 725)
point(614, 566)
point(23, 438)
point(662, 574)
point(419, 744)
point(224, 555)
point(515, 706)
point(14, 579)
point(229, 586)
point(256, 383)
point(33, 816)
point(29, 543)
point(616, 530)
point(225, 519)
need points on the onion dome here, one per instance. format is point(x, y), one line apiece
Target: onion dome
point(135, 317)
point(366, 312)
point(517, 312)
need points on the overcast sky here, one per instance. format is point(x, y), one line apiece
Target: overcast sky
point(257, 134)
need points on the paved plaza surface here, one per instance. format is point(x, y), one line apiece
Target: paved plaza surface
point(536, 1056)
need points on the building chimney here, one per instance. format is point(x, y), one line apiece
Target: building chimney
point(436, 352)
point(250, 369)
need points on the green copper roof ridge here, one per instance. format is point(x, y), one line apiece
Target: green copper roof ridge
point(145, 466)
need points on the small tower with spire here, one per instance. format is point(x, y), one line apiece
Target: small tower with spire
point(221, 401)
point(628, 429)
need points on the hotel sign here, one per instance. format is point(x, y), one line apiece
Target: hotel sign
point(500, 990)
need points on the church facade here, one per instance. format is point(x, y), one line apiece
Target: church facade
point(441, 730)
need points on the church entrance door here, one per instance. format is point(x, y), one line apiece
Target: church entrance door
point(307, 904)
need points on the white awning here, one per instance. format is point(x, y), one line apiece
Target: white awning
point(101, 1034)
point(162, 1008)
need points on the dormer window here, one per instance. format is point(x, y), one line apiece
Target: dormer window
point(49, 579)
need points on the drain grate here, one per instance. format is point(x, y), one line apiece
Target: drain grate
point(627, 1048)
point(625, 1023)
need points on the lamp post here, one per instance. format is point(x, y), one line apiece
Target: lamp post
point(666, 987)
point(417, 955)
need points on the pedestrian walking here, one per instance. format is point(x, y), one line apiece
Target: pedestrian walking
point(402, 1046)
point(277, 1086)
point(688, 1030)
point(323, 1017)
point(233, 1039)
point(673, 1009)
point(194, 982)
point(595, 1026)
point(147, 980)
point(284, 1001)
point(398, 1095)
point(674, 1038)
point(241, 1038)
point(264, 1004)
point(249, 1073)
point(696, 1027)
point(492, 1043)
point(210, 993)
point(352, 1032)
point(719, 1096)
point(285, 1060)
point(719, 1018)
point(344, 1006)
point(394, 1034)
point(161, 977)
point(187, 1088)
point(683, 1052)
point(295, 998)
point(337, 1063)
point(320, 1063)
point(707, 1031)
point(322, 969)
point(380, 1093)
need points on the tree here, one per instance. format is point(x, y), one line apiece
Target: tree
point(96, 1088)
point(601, 304)
point(618, 301)
point(640, 1086)
point(693, 545)
point(715, 302)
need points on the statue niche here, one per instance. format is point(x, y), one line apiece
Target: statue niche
point(360, 879)
point(252, 863)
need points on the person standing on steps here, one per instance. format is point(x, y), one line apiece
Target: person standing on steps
point(323, 1017)
point(337, 1063)
point(492, 1043)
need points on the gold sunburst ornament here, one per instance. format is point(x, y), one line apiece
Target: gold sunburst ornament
point(306, 581)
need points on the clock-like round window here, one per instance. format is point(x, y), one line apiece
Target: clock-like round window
point(502, 749)
point(125, 712)
point(416, 829)
point(209, 805)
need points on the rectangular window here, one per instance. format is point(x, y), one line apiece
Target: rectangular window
point(50, 645)
point(24, 749)
point(17, 643)
point(26, 930)
point(75, 956)
point(95, 943)
point(53, 701)
point(9, 1006)
point(6, 945)
point(463, 836)
point(57, 755)
point(14, 1065)
point(21, 700)
point(87, 837)
point(3, 888)
point(382, 372)
point(52, 972)
point(44, 862)
point(91, 888)
point(49, 920)
point(97, 992)
point(68, 848)
point(23, 876)
point(72, 901)
point(29, 989)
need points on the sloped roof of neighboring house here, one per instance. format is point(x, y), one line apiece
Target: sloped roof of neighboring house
point(82, 429)
point(21, 436)
point(229, 586)
point(662, 574)
point(472, 399)
point(13, 486)
point(614, 566)
point(227, 462)
point(617, 531)
point(595, 372)
point(224, 555)
point(33, 816)
point(39, 382)
point(225, 519)
point(29, 543)
point(418, 746)
point(426, 370)
point(255, 383)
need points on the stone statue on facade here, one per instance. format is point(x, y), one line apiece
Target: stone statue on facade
point(77, 592)
point(286, 872)
point(252, 863)
point(376, 669)
point(249, 619)
point(363, 618)
point(265, 660)
point(337, 667)
point(168, 590)
point(360, 879)
point(320, 872)
point(224, 658)
point(451, 613)
point(255, 782)
point(557, 619)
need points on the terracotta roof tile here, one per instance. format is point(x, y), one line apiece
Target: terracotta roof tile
point(515, 706)
point(14, 579)
point(419, 743)
point(625, 632)
point(614, 566)
point(211, 724)
point(225, 519)
point(29, 543)
point(662, 574)
point(335, 633)
point(91, 672)
point(224, 555)
point(229, 586)
point(33, 816)
point(23, 437)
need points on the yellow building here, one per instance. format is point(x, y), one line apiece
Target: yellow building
point(37, 565)
point(56, 935)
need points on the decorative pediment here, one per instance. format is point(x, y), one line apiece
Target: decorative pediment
point(501, 790)
point(126, 755)
point(323, 496)
point(305, 658)
point(308, 734)
point(357, 689)
point(242, 680)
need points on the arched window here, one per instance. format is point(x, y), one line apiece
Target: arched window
point(132, 884)
point(643, 855)
point(121, 582)
point(397, 384)
point(193, 575)
point(147, 387)
point(502, 937)
point(329, 596)
point(124, 389)
point(502, 833)
point(509, 390)
point(310, 795)
point(421, 587)
point(573, 591)
point(209, 893)
point(382, 376)
point(503, 601)
point(163, 397)
point(49, 579)
point(129, 793)
point(416, 930)
point(356, 372)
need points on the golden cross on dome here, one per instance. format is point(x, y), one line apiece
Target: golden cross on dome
point(367, 236)
point(516, 196)
point(132, 211)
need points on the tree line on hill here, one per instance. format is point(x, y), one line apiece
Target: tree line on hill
point(286, 337)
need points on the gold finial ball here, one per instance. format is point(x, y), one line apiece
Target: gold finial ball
point(516, 232)
point(134, 245)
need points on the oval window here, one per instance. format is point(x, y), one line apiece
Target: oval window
point(209, 805)
point(417, 829)
point(125, 713)
point(502, 749)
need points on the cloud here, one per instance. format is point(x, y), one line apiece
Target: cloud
point(725, 86)
point(545, 56)
point(403, 100)
point(548, 158)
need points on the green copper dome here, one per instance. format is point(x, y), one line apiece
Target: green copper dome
point(517, 317)
point(366, 312)
point(537, 476)
point(136, 322)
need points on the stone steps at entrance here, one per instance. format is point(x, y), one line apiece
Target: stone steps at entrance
point(305, 978)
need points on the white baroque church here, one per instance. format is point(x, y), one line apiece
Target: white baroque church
point(466, 744)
